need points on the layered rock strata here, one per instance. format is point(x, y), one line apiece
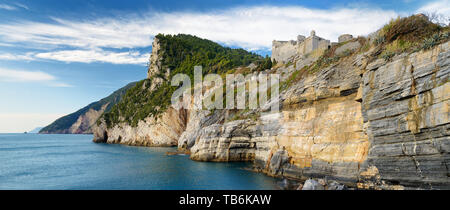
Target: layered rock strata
point(379, 124)
point(373, 124)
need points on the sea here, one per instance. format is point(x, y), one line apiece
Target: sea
point(74, 162)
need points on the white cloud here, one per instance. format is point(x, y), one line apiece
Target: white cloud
point(22, 6)
point(6, 45)
point(441, 8)
point(90, 34)
point(89, 56)
point(21, 122)
point(7, 7)
point(9, 75)
point(248, 27)
point(24, 76)
point(17, 57)
point(60, 84)
point(82, 56)
point(15, 7)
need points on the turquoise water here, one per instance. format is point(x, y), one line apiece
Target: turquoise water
point(39, 161)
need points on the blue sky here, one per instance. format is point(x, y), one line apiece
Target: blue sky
point(58, 56)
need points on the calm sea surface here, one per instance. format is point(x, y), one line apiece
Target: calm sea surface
point(38, 161)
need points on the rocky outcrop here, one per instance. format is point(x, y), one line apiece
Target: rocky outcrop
point(196, 121)
point(228, 142)
point(312, 184)
point(155, 60)
point(145, 116)
point(348, 47)
point(155, 70)
point(380, 125)
point(158, 131)
point(319, 131)
point(405, 107)
point(367, 123)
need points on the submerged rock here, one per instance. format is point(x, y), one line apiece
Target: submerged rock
point(279, 159)
point(312, 184)
point(333, 185)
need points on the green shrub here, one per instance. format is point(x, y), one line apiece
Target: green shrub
point(430, 42)
point(380, 40)
point(387, 55)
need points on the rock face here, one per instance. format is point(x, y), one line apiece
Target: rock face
point(372, 124)
point(155, 59)
point(145, 117)
point(344, 38)
point(155, 70)
point(154, 131)
point(84, 123)
point(319, 131)
point(406, 109)
point(380, 125)
point(161, 131)
point(350, 46)
point(227, 142)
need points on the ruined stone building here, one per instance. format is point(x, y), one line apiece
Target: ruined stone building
point(285, 51)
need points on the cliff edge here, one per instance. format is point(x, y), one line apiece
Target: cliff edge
point(371, 112)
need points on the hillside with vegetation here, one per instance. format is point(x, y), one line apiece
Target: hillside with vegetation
point(179, 53)
point(367, 112)
point(64, 124)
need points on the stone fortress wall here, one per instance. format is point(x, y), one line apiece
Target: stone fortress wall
point(285, 51)
point(282, 51)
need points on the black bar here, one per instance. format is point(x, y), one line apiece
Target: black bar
point(232, 199)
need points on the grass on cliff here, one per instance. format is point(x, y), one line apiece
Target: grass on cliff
point(409, 34)
point(180, 53)
point(138, 103)
point(328, 58)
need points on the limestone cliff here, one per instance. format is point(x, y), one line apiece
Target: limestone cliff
point(144, 116)
point(319, 131)
point(157, 132)
point(379, 124)
point(406, 110)
point(368, 112)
